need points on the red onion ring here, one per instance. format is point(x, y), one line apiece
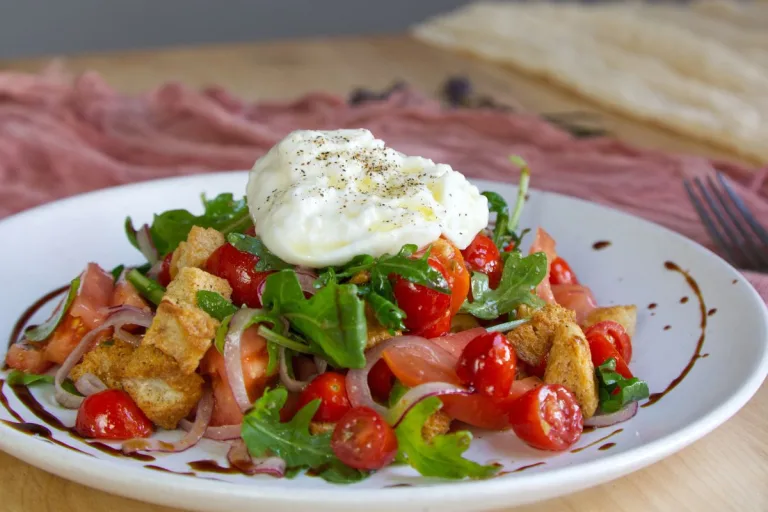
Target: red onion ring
point(191, 438)
point(154, 270)
point(306, 280)
point(321, 365)
point(239, 458)
point(232, 359)
point(88, 384)
point(220, 433)
point(146, 245)
point(289, 382)
point(120, 316)
point(416, 394)
point(607, 420)
point(357, 380)
point(456, 342)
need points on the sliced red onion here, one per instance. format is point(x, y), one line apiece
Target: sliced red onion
point(306, 280)
point(220, 433)
point(154, 270)
point(455, 343)
point(260, 290)
point(606, 420)
point(289, 382)
point(421, 392)
point(146, 245)
point(88, 384)
point(357, 380)
point(232, 359)
point(119, 316)
point(191, 438)
point(321, 365)
point(239, 458)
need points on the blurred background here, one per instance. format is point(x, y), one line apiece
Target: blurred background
point(44, 27)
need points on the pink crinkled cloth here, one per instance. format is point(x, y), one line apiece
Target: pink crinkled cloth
point(60, 136)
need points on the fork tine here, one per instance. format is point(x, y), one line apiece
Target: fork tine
point(708, 224)
point(754, 252)
point(739, 202)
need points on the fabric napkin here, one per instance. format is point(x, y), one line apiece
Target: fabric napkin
point(61, 136)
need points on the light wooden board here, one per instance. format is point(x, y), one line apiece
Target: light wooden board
point(727, 470)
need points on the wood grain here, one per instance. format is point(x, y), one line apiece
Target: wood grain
point(727, 470)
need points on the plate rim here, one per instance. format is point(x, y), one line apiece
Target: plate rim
point(135, 481)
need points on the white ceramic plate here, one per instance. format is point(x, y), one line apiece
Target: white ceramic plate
point(47, 246)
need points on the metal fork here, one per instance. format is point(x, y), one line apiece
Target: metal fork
point(729, 222)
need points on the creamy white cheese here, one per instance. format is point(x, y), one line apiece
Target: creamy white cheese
point(319, 198)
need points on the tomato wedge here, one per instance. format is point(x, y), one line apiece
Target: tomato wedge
point(547, 418)
point(602, 349)
point(616, 334)
point(546, 244)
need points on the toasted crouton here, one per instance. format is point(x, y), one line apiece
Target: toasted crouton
point(570, 364)
point(624, 315)
point(376, 332)
point(533, 340)
point(107, 362)
point(361, 277)
point(183, 289)
point(200, 244)
point(158, 386)
point(183, 332)
point(436, 425)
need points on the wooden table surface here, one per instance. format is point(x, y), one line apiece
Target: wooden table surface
point(727, 470)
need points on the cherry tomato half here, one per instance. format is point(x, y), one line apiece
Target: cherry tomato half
point(164, 276)
point(423, 306)
point(547, 418)
point(453, 269)
point(111, 414)
point(380, 380)
point(237, 267)
point(363, 440)
point(488, 365)
point(560, 272)
point(602, 349)
point(331, 389)
point(482, 255)
point(616, 334)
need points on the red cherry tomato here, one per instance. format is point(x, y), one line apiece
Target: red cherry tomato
point(423, 306)
point(488, 364)
point(602, 349)
point(111, 414)
point(440, 326)
point(453, 269)
point(560, 272)
point(547, 418)
point(616, 334)
point(237, 267)
point(482, 255)
point(331, 389)
point(380, 380)
point(164, 276)
point(510, 247)
point(363, 440)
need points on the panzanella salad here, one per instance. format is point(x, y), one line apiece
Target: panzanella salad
point(354, 310)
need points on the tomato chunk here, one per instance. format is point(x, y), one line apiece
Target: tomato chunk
point(482, 255)
point(331, 389)
point(453, 268)
point(616, 334)
point(560, 272)
point(111, 414)
point(164, 276)
point(488, 365)
point(602, 349)
point(363, 440)
point(547, 418)
point(423, 306)
point(238, 268)
point(380, 380)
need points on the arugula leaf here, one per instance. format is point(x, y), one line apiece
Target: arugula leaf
point(520, 276)
point(442, 457)
point(505, 230)
point(221, 334)
point(396, 393)
point(19, 378)
point(253, 245)
point(333, 320)
point(630, 390)
point(264, 434)
point(215, 305)
point(223, 213)
point(148, 288)
point(44, 330)
point(117, 271)
point(387, 313)
point(273, 357)
point(497, 205)
point(339, 473)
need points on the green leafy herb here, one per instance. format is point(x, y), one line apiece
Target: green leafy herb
point(398, 390)
point(273, 357)
point(442, 457)
point(221, 334)
point(339, 473)
point(333, 320)
point(252, 245)
point(387, 313)
point(168, 229)
point(278, 340)
point(264, 434)
point(630, 390)
point(117, 271)
point(148, 288)
point(505, 230)
point(215, 305)
point(520, 276)
point(44, 330)
point(19, 378)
